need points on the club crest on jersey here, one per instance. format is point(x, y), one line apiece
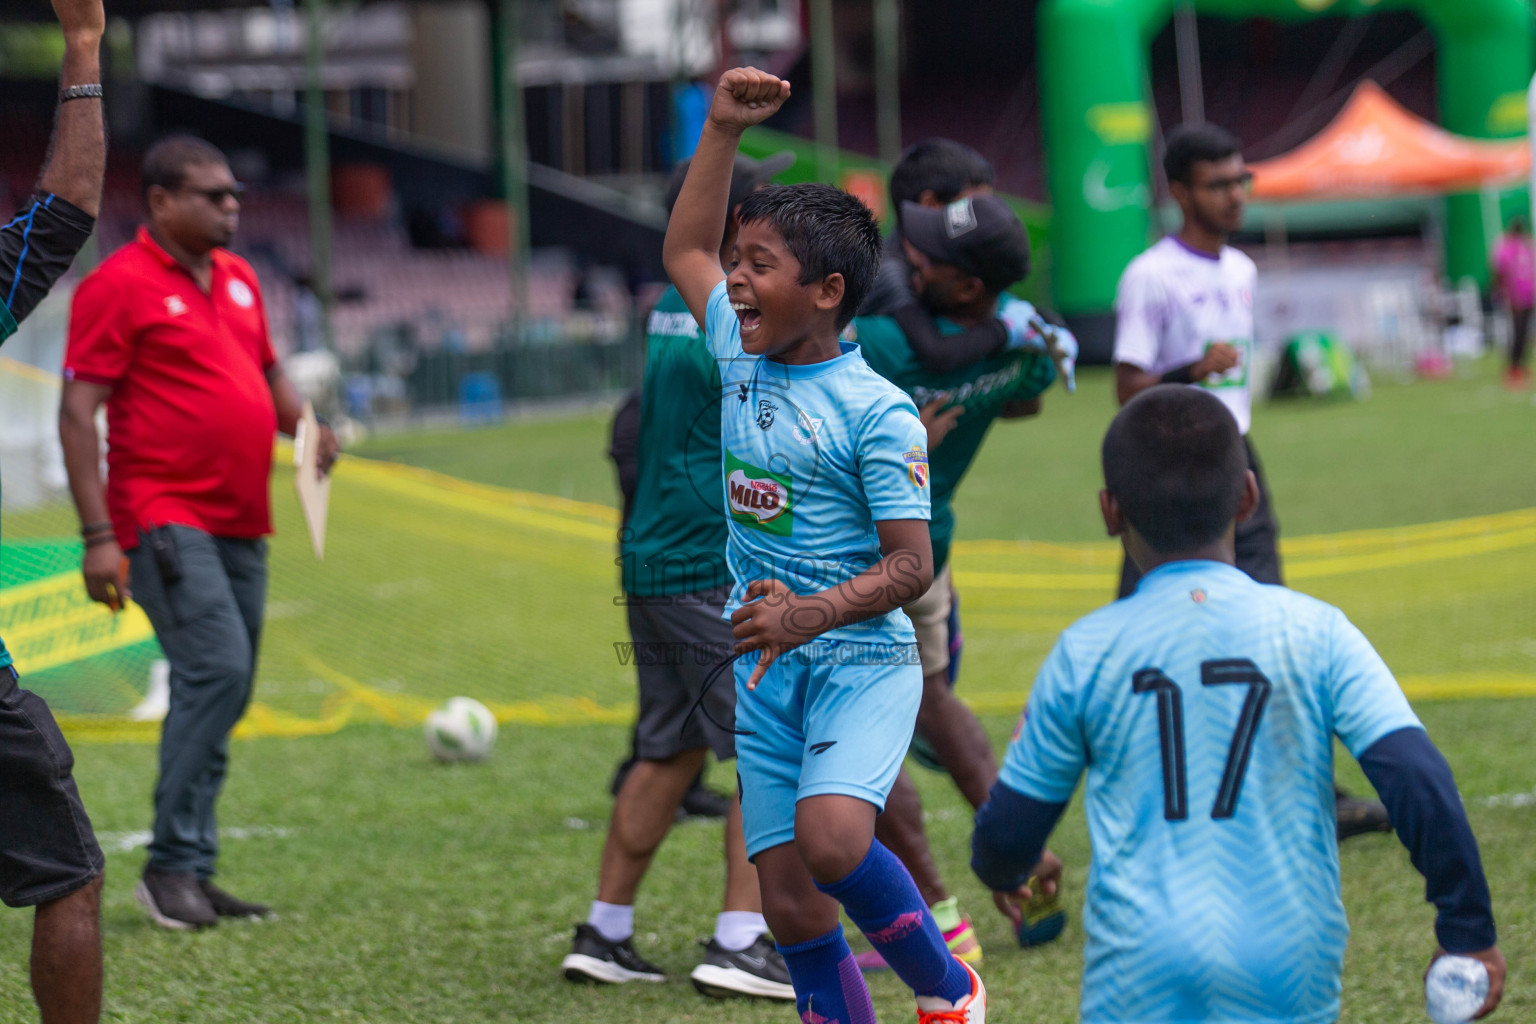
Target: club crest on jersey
point(807, 428)
point(759, 498)
point(240, 294)
point(765, 411)
point(917, 465)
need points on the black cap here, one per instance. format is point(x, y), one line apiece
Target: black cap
point(746, 176)
point(979, 234)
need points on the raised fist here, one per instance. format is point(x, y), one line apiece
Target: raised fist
point(745, 97)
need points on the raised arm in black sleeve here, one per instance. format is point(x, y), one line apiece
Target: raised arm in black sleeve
point(36, 247)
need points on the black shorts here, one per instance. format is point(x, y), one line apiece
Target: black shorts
point(679, 639)
point(36, 247)
point(47, 848)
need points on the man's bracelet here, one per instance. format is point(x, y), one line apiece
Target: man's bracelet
point(99, 539)
point(1181, 374)
point(91, 91)
point(90, 528)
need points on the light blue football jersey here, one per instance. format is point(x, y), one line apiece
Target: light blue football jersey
point(1203, 708)
point(813, 457)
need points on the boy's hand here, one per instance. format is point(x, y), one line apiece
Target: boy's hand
point(772, 621)
point(938, 420)
point(745, 97)
point(81, 20)
point(1493, 960)
point(1043, 884)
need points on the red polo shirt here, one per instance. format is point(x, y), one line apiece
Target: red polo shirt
point(190, 419)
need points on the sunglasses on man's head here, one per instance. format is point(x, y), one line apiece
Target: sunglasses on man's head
point(216, 196)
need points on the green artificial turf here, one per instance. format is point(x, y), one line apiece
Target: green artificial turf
point(410, 891)
point(414, 892)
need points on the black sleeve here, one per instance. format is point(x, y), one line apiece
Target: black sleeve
point(36, 247)
point(940, 353)
point(624, 446)
point(893, 283)
point(1416, 784)
point(1011, 830)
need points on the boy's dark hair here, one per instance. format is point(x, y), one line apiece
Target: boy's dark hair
point(942, 165)
point(1175, 461)
point(827, 230)
point(166, 162)
point(1189, 144)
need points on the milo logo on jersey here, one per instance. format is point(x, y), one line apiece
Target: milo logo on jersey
point(759, 498)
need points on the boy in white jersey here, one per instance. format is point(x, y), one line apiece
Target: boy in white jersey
point(826, 476)
point(1184, 315)
point(1203, 710)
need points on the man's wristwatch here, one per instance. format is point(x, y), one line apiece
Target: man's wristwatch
point(92, 91)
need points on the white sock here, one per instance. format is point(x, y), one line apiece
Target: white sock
point(614, 922)
point(738, 929)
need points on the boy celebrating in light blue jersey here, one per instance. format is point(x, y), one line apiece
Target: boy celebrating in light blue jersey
point(826, 480)
point(1203, 708)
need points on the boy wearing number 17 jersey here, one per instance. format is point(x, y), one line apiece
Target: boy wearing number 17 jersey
point(1203, 709)
point(826, 480)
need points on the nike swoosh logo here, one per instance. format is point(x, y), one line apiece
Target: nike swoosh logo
point(822, 748)
point(755, 961)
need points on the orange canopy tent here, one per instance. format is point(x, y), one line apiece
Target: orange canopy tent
point(1375, 148)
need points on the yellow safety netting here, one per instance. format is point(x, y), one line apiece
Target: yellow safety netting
point(434, 586)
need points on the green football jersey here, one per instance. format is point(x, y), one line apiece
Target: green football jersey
point(674, 542)
point(983, 387)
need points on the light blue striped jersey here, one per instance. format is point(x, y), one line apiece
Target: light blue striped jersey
point(813, 456)
point(1203, 708)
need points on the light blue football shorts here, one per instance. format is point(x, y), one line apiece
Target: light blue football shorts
point(832, 716)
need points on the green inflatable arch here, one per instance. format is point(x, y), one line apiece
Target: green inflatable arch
point(1097, 117)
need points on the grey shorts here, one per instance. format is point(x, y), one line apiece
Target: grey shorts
point(47, 848)
point(678, 640)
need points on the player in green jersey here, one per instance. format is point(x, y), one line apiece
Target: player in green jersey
point(964, 256)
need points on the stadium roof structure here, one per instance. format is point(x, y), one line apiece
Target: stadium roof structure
point(1375, 148)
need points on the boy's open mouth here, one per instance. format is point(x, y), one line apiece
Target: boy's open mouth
point(751, 319)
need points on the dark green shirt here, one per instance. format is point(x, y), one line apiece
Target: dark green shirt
point(674, 542)
point(983, 387)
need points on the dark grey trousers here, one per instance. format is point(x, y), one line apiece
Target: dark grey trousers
point(208, 623)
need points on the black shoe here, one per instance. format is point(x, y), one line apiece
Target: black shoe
point(226, 905)
point(1356, 817)
point(174, 900)
point(594, 958)
point(702, 802)
point(757, 970)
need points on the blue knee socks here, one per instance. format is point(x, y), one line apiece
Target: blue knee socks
point(881, 898)
point(828, 986)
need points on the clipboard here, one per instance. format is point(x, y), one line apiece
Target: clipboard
point(314, 490)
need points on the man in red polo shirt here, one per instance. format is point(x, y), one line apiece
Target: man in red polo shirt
point(171, 334)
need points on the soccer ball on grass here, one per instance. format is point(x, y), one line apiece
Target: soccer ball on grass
point(461, 730)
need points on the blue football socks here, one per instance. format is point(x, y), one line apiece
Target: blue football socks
point(881, 898)
point(828, 986)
